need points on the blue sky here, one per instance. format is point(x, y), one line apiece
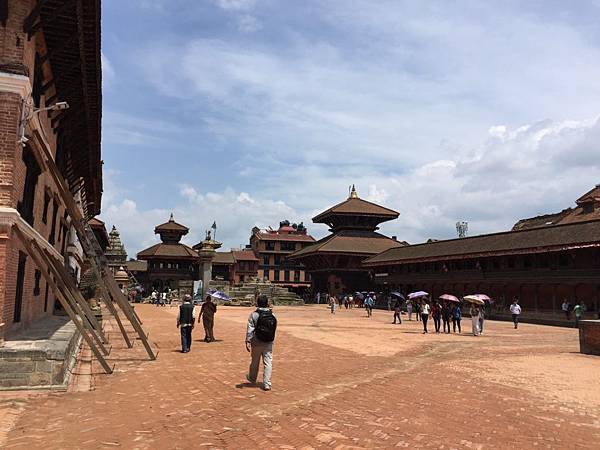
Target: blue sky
point(249, 112)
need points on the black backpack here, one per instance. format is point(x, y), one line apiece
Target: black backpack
point(265, 326)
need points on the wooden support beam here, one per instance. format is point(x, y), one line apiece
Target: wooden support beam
point(80, 324)
point(88, 242)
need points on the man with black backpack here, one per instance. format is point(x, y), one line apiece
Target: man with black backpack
point(260, 335)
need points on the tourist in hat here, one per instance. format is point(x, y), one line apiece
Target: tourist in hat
point(515, 310)
point(260, 335)
point(207, 312)
point(185, 323)
point(424, 312)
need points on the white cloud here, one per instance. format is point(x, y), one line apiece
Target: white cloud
point(248, 24)
point(235, 5)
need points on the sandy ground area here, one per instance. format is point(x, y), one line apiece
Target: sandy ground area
point(339, 381)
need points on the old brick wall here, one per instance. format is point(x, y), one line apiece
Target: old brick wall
point(17, 55)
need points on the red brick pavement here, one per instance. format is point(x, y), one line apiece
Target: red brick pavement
point(323, 396)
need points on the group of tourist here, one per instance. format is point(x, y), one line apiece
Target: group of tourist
point(443, 313)
point(577, 310)
point(260, 333)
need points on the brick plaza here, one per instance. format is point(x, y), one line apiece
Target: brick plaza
point(340, 381)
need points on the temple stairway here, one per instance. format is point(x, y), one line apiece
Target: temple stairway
point(244, 294)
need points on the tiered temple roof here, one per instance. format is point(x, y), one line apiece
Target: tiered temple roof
point(170, 233)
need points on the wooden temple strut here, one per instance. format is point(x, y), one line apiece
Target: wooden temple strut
point(78, 319)
point(90, 246)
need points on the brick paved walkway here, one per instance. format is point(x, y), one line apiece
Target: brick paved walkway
point(338, 382)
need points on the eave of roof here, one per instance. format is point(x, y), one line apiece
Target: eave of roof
point(162, 250)
point(284, 237)
point(532, 240)
point(363, 243)
point(356, 206)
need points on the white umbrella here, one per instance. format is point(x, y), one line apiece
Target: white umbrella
point(473, 299)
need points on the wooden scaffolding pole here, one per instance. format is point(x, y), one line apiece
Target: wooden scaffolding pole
point(80, 323)
point(91, 247)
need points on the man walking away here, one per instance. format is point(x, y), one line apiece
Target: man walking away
point(515, 310)
point(409, 309)
point(260, 335)
point(185, 323)
point(332, 304)
point(397, 312)
point(424, 310)
point(207, 312)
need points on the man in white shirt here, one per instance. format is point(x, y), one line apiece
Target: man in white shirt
point(515, 310)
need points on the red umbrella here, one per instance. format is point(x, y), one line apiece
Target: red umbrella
point(450, 298)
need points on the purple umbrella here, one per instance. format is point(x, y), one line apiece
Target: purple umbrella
point(417, 294)
point(219, 295)
point(450, 298)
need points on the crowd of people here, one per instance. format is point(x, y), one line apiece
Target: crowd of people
point(446, 315)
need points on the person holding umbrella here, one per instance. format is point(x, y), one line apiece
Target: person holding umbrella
point(207, 312)
point(446, 315)
point(474, 311)
point(397, 312)
point(425, 309)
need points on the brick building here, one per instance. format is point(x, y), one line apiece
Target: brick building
point(49, 54)
point(335, 262)
point(170, 264)
point(235, 266)
point(541, 261)
point(272, 248)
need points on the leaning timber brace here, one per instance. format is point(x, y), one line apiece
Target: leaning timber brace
point(75, 313)
point(107, 284)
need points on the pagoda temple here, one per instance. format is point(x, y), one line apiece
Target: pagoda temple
point(171, 264)
point(335, 262)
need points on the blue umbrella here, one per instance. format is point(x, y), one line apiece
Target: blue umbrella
point(397, 295)
point(219, 295)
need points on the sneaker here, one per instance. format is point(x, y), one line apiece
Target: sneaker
point(266, 388)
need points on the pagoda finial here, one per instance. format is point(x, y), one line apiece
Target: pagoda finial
point(353, 193)
point(171, 218)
